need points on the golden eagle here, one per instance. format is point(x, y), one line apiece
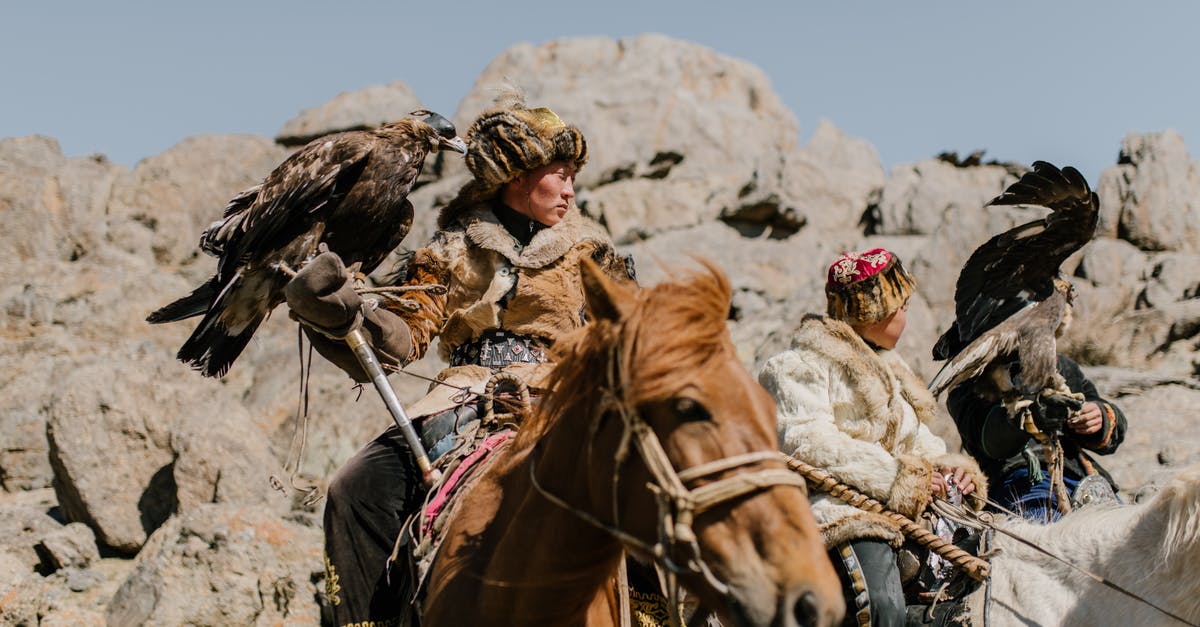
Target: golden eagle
point(1010, 298)
point(348, 191)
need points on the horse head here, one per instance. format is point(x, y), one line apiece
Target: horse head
point(679, 459)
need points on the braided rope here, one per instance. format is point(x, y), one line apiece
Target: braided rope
point(975, 567)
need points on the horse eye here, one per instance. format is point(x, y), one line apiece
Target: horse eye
point(689, 409)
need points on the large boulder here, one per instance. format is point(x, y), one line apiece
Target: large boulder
point(707, 130)
point(1152, 197)
point(164, 445)
point(920, 197)
point(169, 199)
point(350, 111)
point(224, 565)
point(51, 207)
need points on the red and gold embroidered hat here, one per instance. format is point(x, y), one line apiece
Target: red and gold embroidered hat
point(865, 287)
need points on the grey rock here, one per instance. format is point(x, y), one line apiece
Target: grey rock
point(1114, 381)
point(1109, 262)
point(362, 109)
point(1160, 419)
point(82, 580)
point(20, 592)
point(51, 206)
point(833, 179)
point(223, 565)
point(1170, 277)
point(97, 422)
point(164, 444)
point(173, 196)
point(73, 546)
point(21, 526)
point(1152, 197)
point(707, 127)
point(919, 197)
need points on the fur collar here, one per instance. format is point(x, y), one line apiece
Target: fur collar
point(547, 246)
point(872, 375)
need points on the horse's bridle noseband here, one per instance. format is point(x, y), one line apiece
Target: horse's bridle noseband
point(677, 551)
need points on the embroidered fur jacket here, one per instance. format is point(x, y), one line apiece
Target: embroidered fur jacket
point(860, 414)
point(491, 281)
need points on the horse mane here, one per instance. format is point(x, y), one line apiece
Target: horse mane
point(678, 323)
point(1150, 548)
point(1178, 503)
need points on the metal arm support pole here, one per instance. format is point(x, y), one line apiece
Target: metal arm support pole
point(357, 341)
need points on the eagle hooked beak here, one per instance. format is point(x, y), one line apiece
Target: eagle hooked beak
point(452, 143)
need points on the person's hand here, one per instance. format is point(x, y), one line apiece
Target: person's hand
point(937, 484)
point(322, 295)
point(1051, 410)
point(957, 476)
point(1087, 420)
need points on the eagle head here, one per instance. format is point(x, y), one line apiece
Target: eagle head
point(445, 136)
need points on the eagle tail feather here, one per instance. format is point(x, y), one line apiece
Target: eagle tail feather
point(194, 304)
point(212, 347)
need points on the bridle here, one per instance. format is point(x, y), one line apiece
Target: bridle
point(676, 550)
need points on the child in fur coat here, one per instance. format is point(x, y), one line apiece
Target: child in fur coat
point(848, 404)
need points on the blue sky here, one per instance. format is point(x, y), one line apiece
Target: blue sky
point(1060, 81)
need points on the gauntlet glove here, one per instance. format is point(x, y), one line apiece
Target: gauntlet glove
point(1051, 409)
point(322, 296)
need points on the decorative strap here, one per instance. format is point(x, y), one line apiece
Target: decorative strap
point(975, 568)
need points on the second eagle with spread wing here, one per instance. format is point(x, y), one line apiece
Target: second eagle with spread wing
point(348, 191)
point(1010, 298)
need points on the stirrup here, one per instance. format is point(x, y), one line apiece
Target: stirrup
point(493, 419)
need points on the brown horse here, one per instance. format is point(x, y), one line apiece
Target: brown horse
point(654, 439)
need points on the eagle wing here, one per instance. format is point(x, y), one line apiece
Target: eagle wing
point(998, 342)
point(290, 200)
point(1018, 266)
point(1026, 337)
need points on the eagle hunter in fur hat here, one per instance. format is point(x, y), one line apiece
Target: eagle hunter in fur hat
point(508, 140)
point(1010, 299)
point(347, 191)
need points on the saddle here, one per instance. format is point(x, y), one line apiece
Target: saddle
point(464, 453)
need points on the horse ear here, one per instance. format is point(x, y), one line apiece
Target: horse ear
point(606, 299)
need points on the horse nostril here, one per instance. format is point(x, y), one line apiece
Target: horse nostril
point(805, 610)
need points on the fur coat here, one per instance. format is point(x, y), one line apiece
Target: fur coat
point(493, 282)
point(480, 263)
point(860, 414)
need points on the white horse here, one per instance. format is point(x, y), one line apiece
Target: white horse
point(1151, 549)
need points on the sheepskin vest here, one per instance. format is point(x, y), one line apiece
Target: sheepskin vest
point(493, 282)
point(860, 414)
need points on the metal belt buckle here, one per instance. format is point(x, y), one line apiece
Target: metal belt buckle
point(1093, 489)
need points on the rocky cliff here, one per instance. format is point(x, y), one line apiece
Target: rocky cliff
point(135, 491)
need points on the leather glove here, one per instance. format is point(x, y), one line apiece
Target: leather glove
point(322, 296)
point(1051, 409)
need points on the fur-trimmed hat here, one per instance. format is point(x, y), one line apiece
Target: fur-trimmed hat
point(866, 287)
point(509, 139)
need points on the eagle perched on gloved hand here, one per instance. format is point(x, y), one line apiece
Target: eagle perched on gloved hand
point(348, 191)
point(1010, 298)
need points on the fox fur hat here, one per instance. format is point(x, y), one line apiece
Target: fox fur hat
point(866, 287)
